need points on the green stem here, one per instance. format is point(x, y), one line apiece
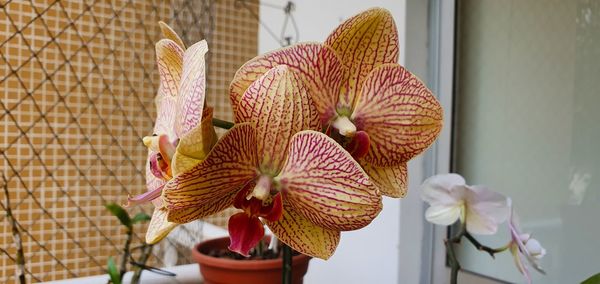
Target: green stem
point(146, 252)
point(20, 259)
point(454, 264)
point(260, 248)
point(479, 246)
point(126, 253)
point(287, 264)
point(222, 123)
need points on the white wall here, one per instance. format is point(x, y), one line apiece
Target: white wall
point(370, 255)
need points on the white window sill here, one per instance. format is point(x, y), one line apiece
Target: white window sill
point(185, 274)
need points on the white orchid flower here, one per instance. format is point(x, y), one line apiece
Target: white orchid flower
point(450, 199)
point(524, 247)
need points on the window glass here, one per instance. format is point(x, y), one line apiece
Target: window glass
point(528, 125)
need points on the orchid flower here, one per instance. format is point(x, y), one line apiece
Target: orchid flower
point(450, 199)
point(376, 109)
point(183, 133)
point(278, 170)
point(524, 247)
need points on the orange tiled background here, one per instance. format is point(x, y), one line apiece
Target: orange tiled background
point(78, 80)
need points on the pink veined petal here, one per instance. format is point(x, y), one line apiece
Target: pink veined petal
point(321, 181)
point(227, 168)
point(401, 116)
point(391, 181)
point(169, 33)
point(279, 105)
point(190, 99)
point(244, 232)
point(169, 58)
point(207, 208)
point(304, 236)
point(159, 227)
point(166, 108)
point(362, 43)
point(317, 65)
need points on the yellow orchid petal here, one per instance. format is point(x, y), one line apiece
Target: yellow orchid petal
point(317, 65)
point(303, 236)
point(200, 139)
point(399, 113)
point(229, 166)
point(169, 33)
point(190, 99)
point(186, 215)
point(362, 43)
point(195, 145)
point(159, 227)
point(326, 185)
point(391, 181)
point(169, 59)
point(279, 105)
point(182, 163)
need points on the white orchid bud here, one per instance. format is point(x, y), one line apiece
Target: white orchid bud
point(535, 249)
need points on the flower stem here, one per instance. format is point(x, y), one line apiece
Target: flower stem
point(146, 252)
point(222, 123)
point(287, 264)
point(454, 264)
point(479, 246)
point(126, 252)
point(20, 259)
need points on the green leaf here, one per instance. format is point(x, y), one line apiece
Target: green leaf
point(113, 272)
point(140, 217)
point(120, 213)
point(592, 280)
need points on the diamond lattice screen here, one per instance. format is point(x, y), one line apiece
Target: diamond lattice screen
point(78, 79)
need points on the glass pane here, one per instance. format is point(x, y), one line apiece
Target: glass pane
point(527, 126)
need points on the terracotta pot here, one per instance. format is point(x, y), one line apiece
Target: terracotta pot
point(229, 271)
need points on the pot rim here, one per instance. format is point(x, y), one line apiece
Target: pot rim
point(228, 263)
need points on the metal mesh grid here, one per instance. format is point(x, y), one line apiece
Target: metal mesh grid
point(78, 80)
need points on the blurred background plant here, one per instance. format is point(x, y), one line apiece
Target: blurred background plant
point(116, 274)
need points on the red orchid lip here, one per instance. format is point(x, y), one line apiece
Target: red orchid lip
point(245, 232)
